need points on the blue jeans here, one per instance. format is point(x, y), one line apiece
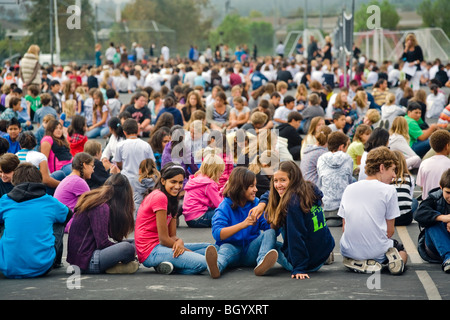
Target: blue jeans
point(57, 175)
point(98, 131)
point(190, 262)
point(437, 239)
point(106, 258)
point(421, 147)
point(203, 221)
point(230, 255)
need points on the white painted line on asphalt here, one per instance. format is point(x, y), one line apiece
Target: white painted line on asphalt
point(409, 245)
point(429, 286)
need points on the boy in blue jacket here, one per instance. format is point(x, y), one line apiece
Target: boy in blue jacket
point(33, 226)
point(238, 233)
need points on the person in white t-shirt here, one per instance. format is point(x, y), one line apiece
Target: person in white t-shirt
point(368, 210)
point(431, 169)
point(131, 151)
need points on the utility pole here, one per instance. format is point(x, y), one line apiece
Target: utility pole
point(95, 24)
point(51, 30)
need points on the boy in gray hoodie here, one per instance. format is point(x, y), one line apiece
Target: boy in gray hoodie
point(335, 169)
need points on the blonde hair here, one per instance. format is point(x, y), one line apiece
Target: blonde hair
point(212, 166)
point(413, 39)
point(401, 168)
point(361, 99)
point(322, 135)
point(400, 126)
point(69, 108)
point(147, 169)
point(390, 99)
point(34, 49)
point(268, 157)
point(373, 115)
point(92, 147)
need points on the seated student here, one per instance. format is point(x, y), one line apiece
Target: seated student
point(156, 240)
point(434, 217)
point(40, 132)
point(419, 139)
point(263, 167)
point(13, 112)
point(389, 111)
point(282, 112)
point(41, 236)
point(169, 106)
point(102, 220)
point(356, 148)
point(294, 207)
point(46, 109)
point(368, 210)
point(8, 163)
point(404, 184)
point(431, 169)
point(176, 151)
point(76, 134)
point(237, 233)
point(148, 175)
point(117, 135)
point(338, 122)
point(100, 174)
point(13, 129)
point(399, 141)
point(308, 165)
point(289, 131)
point(56, 148)
point(27, 141)
point(314, 109)
point(258, 121)
point(379, 137)
point(371, 117)
point(239, 113)
point(202, 194)
point(314, 128)
point(335, 173)
point(131, 151)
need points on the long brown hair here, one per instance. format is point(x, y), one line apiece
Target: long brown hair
point(118, 194)
point(240, 179)
point(298, 187)
point(51, 126)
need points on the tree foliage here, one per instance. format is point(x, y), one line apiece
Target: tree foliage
point(76, 44)
point(182, 16)
point(435, 14)
point(236, 30)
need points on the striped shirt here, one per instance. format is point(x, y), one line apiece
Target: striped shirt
point(405, 193)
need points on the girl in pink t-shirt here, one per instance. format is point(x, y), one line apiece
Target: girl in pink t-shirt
point(157, 244)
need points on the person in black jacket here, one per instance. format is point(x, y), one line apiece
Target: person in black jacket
point(433, 215)
point(289, 131)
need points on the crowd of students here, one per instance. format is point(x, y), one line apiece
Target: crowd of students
point(251, 165)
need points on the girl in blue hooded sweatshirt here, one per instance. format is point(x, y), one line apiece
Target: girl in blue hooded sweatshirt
point(242, 238)
point(294, 207)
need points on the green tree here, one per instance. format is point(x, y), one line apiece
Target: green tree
point(76, 44)
point(435, 14)
point(389, 17)
point(185, 17)
point(236, 30)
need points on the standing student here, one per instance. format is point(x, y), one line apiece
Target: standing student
point(294, 207)
point(368, 210)
point(202, 194)
point(156, 240)
point(237, 233)
point(102, 221)
point(30, 249)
